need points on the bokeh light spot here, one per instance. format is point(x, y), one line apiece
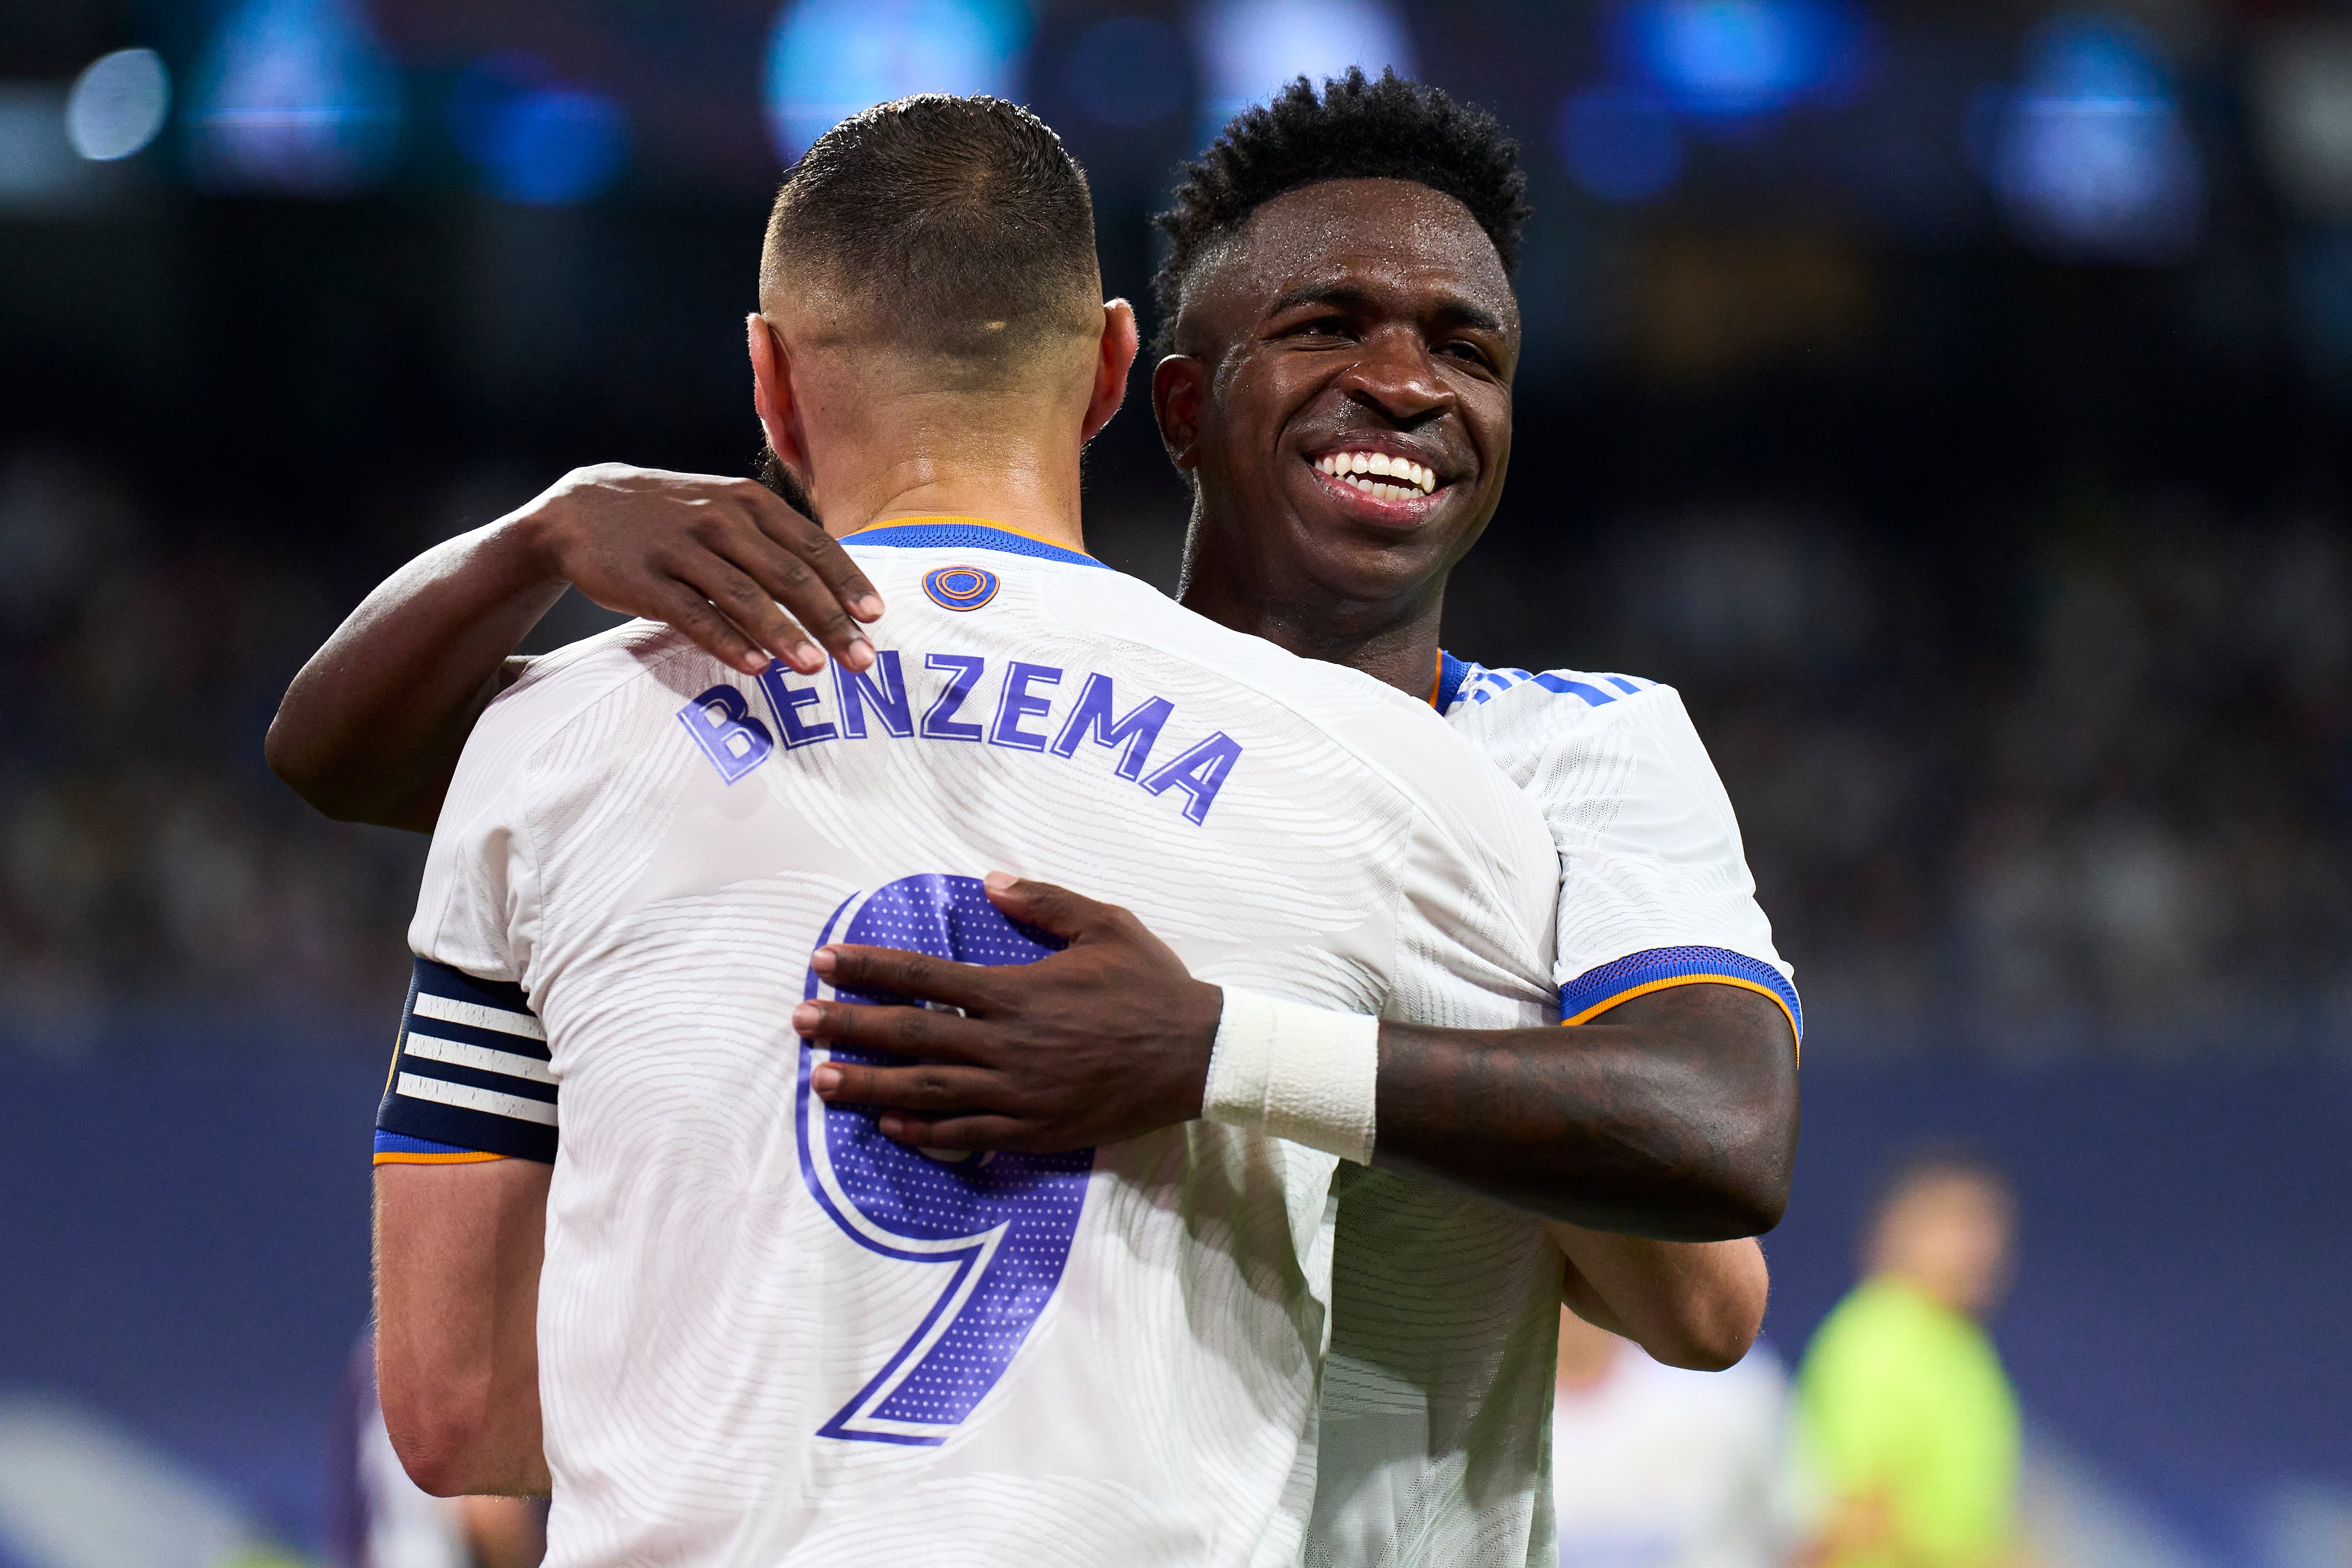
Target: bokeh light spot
point(2090, 158)
point(536, 142)
point(119, 103)
point(295, 96)
point(1737, 59)
point(1251, 49)
point(827, 60)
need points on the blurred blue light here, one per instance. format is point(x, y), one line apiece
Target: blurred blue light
point(537, 142)
point(2090, 157)
point(1128, 71)
point(1620, 145)
point(1251, 49)
point(119, 102)
point(294, 96)
point(1733, 60)
point(827, 60)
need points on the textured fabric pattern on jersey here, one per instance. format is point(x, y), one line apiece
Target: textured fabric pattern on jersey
point(708, 1305)
point(1598, 989)
point(470, 1076)
point(1445, 1307)
point(1437, 1393)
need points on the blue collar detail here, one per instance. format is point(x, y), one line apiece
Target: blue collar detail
point(966, 536)
point(1451, 673)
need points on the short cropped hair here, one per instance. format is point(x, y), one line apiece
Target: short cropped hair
point(963, 220)
point(1354, 130)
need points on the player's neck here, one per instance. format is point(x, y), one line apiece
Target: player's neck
point(1027, 486)
point(1393, 641)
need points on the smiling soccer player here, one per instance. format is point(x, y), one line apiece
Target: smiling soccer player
point(1339, 295)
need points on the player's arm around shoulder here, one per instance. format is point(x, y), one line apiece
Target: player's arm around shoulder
point(370, 729)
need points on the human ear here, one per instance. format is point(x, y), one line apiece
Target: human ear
point(1180, 392)
point(772, 395)
point(1115, 359)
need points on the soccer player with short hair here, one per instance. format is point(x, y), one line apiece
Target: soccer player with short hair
point(1339, 299)
point(763, 1333)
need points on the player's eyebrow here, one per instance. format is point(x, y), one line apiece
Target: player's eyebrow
point(1453, 310)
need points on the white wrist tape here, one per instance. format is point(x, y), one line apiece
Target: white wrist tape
point(1294, 1072)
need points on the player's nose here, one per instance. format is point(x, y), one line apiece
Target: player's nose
point(1395, 376)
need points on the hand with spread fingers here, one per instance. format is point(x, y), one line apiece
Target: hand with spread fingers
point(372, 728)
point(725, 561)
point(1108, 1038)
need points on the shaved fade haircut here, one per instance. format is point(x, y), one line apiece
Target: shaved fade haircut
point(963, 223)
point(962, 226)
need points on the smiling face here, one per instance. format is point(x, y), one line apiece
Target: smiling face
point(1342, 393)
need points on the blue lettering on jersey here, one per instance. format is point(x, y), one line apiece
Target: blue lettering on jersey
point(855, 690)
point(880, 701)
point(1200, 772)
point(963, 671)
point(787, 700)
point(721, 724)
point(1018, 703)
point(1091, 721)
point(1000, 1224)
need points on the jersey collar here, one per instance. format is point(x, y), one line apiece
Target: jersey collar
point(1445, 685)
point(965, 533)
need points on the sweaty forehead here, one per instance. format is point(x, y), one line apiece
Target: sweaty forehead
point(1382, 236)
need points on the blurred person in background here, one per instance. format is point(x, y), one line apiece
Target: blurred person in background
point(378, 1518)
point(1907, 1415)
point(1660, 1466)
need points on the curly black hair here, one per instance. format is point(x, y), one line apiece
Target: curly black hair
point(1357, 130)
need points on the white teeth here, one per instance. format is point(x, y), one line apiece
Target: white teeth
point(1415, 480)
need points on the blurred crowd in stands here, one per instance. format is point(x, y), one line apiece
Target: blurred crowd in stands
point(2086, 790)
point(150, 866)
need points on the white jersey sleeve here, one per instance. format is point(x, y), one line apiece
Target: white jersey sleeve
point(472, 1075)
point(1436, 1395)
point(1654, 886)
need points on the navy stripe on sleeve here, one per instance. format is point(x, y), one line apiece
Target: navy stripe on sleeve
point(472, 1072)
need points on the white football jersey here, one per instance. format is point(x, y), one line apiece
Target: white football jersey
point(767, 1334)
point(1445, 1307)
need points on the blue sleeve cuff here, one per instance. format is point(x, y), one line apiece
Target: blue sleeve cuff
point(1597, 989)
point(397, 1149)
point(472, 1079)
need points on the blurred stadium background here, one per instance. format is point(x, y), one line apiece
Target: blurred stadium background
point(1955, 400)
